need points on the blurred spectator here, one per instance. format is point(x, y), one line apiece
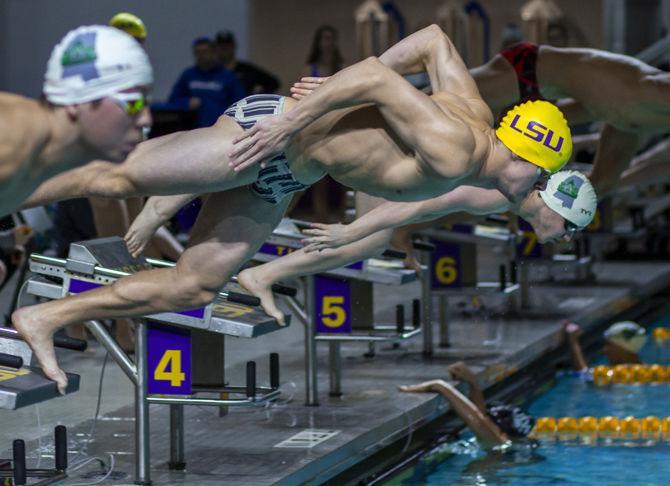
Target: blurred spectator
point(324, 57)
point(254, 79)
point(327, 196)
point(207, 86)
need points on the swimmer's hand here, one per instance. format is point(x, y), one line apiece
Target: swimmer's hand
point(305, 86)
point(265, 140)
point(324, 236)
point(460, 371)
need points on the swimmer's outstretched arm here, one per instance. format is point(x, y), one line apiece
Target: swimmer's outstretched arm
point(487, 432)
point(572, 332)
point(473, 200)
point(616, 149)
point(430, 50)
point(157, 167)
point(417, 120)
point(574, 112)
point(71, 184)
point(427, 50)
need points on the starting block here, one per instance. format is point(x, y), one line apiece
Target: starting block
point(22, 384)
point(453, 269)
point(178, 355)
point(339, 306)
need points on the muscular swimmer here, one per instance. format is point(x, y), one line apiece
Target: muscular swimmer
point(367, 127)
point(630, 96)
point(567, 205)
point(94, 108)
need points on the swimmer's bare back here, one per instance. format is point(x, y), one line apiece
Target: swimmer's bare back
point(372, 148)
point(24, 130)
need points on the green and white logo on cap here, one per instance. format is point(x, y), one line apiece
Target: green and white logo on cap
point(570, 188)
point(78, 53)
point(570, 194)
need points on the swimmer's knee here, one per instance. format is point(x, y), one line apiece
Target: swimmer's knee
point(200, 284)
point(194, 290)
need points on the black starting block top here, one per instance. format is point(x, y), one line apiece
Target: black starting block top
point(83, 270)
point(28, 386)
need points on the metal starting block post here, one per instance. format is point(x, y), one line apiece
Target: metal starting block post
point(453, 270)
point(532, 254)
point(338, 305)
point(178, 355)
point(647, 220)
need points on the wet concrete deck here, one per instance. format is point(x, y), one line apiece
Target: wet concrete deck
point(240, 448)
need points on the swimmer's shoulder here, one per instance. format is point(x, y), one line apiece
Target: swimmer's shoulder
point(23, 129)
point(473, 113)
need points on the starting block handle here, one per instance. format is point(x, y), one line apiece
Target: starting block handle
point(59, 341)
point(70, 343)
point(284, 290)
point(400, 255)
point(245, 299)
point(11, 361)
point(423, 245)
point(19, 462)
point(60, 443)
point(274, 371)
point(251, 379)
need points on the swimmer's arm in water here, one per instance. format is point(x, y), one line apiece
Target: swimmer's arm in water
point(473, 200)
point(155, 213)
point(616, 149)
point(487, 432)
point(415, 118)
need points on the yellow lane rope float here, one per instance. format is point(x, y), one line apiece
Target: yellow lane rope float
point(661, 334)
point(629, 374)
point(650, 428)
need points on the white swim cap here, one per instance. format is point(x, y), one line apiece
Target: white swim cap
point(571, 195)
point(627, 334)
point(92, 62)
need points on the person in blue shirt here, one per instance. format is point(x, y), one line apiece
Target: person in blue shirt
point(207, 86)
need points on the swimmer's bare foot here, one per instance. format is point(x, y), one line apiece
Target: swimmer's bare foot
point(141, 231)
point(27, 322)
point(412, 263)
point(249, 280)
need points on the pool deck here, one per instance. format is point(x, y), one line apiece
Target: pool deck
point(241, 447)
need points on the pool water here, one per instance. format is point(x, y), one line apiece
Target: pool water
point(554, 463)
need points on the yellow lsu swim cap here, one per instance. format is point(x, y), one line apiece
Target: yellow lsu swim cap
point(538, 132)
point(130, 24)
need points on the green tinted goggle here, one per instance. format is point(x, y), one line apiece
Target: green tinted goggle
point(131, 103)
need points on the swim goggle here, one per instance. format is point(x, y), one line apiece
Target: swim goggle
point(131, 103)
point(543, 175)
point(570, 228)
